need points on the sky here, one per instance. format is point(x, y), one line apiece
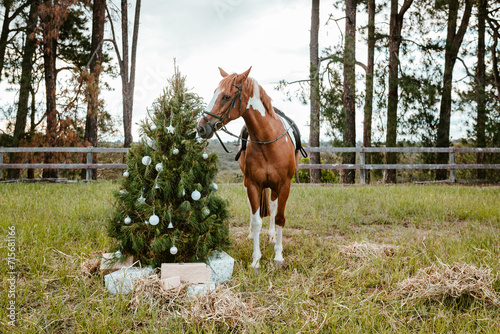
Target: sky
point(202, 35)
point(272, 36)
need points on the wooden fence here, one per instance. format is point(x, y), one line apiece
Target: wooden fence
point(360, 151)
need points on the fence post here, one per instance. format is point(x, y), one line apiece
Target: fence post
point(1, 162)
point(89, 161)
point(453, 171)
point(362, 171)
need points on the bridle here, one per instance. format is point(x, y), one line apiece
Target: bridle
point(221, 118)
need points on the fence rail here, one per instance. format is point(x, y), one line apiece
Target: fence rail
point(361, 151)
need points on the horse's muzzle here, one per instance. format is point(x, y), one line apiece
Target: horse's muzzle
point(205, 129)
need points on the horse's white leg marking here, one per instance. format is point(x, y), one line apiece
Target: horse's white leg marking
point(250, 234)
point(278, 248)
point(272, 230)
point(256, 227)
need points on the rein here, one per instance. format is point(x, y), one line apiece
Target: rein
point(226, 113)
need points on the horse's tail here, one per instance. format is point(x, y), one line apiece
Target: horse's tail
point(264, 203)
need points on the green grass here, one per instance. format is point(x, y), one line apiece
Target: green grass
point(319, 290)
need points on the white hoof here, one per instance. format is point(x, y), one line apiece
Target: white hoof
point(279, 264)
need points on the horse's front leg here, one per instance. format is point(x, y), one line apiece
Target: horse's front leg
point(280, 222)
point(254, 193)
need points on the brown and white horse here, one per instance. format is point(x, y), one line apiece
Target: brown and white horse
point(270, 158)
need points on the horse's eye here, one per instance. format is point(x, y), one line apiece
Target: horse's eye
point(226, 98)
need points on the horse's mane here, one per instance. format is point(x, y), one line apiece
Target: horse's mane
point(248, 91)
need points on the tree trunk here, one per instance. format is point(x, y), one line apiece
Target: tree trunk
point(453, 43)
point(26, 74)
point(349, 96)
point(368, 109)
point(95, 69)
point(481, 86)
point(4, 36)
point(392, 102)
point(49, 64)
point(395, 27)
point(25, 85)
point(315, 174)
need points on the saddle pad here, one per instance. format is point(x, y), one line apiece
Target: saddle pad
point(289, 126)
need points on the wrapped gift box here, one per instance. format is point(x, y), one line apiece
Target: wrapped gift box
point(122, 280)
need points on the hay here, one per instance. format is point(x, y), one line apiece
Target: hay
point(90, 266)
point(365, 249)
point(147, 290)
point(223, 306)
point(439, 281)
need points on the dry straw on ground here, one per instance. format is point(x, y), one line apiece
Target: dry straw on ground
point(439, 281)
point(222, 305)
point(365, 249)
point(90, 266)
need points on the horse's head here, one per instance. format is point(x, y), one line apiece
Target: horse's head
point(225, 105)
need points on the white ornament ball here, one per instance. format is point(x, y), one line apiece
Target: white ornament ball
point(150, 142)
point(127, 220)
point(173, 250)
point(205, 156)
point(206, 211)
point(146, 160)
point(215, 186)
point(154, 220)
point(195, 195)
point(118, 254)
point(153, 127)
point(126, 173)
point(159, 167)
point(175, 151)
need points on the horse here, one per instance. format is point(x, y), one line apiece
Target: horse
point(270, 158)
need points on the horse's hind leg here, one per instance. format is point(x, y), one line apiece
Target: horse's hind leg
point(274, 208)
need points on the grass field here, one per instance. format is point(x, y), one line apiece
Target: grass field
point(321, 289)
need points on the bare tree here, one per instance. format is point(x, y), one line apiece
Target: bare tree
point(127, 74)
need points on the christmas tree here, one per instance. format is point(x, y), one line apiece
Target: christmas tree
point(167, 209)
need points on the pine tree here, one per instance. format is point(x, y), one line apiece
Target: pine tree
point(167, 209)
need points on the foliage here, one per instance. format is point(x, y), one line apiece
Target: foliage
point(327, 175)
point(166, 187)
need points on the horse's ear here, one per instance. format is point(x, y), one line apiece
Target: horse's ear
point(223, 73)
point(245, 74)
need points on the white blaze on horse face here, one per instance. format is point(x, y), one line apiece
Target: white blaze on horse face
point(214, 99)
point(255, 101)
